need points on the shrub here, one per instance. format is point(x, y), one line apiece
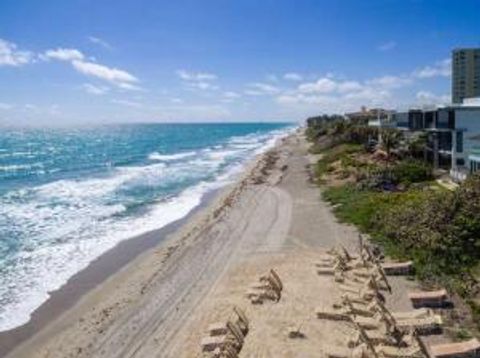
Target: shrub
point(359, 207)
point(411, 171)
point(391, 138)
point(341, 152)
point(441, 231)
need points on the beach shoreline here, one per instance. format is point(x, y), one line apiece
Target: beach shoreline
point(161, 303)
point(115, 263)
point(96, 273)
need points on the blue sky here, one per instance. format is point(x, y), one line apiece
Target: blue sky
point(83, 61)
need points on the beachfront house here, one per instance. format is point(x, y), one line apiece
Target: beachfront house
point(453, 141)
point(374, 117)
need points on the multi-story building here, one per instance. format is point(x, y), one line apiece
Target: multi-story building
point(453, 135)
point(465, 74)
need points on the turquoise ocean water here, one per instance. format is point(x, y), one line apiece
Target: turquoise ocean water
point(69, 195)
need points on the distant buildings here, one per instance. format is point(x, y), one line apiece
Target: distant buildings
point(369, 114)
point(465, 74)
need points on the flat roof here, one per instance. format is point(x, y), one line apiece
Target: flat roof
point(466, 49)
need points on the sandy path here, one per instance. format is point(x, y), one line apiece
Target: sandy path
point(312, 223)
point(186, 285)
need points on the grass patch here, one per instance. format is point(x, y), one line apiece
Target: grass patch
point(367, 210)
point(363, 207)
point(342, 152)
point(354, 206)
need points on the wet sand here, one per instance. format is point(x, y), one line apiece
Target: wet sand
point(88, 279)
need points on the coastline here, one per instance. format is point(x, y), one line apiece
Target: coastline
point(110, 267)
point(161, 303)
point(96, 273)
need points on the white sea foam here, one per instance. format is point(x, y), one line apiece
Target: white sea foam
point(17, 167)
point(222, 154)
point(72, 222)
point(170, 157)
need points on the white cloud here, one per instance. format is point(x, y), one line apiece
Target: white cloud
point(439, 69)
point(96, 90)
point(272, 78)
point(5, 106)
point(129, 87)
point(329, 85)
point(54, 110)
point(387, 46)
point(323, 85)
point(113, 75)
point(198, 80)
point(369, 95)
point(122, 79)
point(292, 76)
point(331, 95)
point(202, 85)
point(11, 56)
point(349, 86)
point(63, 54)
point(429, 98)
point(99, 41)
point(127, 103)
point(196, 76)
point(261, 89)
point(231, 95)
point(300, 98)
point(30, 107)
point(390, 81)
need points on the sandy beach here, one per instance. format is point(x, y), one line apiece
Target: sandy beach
point(159, 304)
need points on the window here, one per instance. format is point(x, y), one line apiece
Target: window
point(445, 119)
point(429, 121)
point(474, 166)
point(459, 148)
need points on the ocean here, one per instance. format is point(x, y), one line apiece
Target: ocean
point(69, 195)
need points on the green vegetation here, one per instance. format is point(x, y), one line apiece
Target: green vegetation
point(412, 171)
point(341, 152)
point(394, 200)
point(391, 138)
point(438, 230)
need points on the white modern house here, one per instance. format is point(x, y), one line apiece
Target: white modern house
point(453, 135)
point(467, 122)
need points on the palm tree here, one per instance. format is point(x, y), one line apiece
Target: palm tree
point(338, 127)
point(390, 139)
point(417, 146)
